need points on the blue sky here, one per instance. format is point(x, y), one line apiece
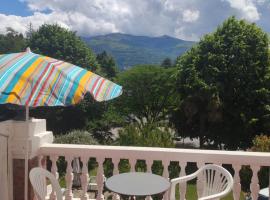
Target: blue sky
point(184, 19)
point(14, 7)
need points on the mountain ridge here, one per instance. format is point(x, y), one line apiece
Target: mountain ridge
point(129, 50)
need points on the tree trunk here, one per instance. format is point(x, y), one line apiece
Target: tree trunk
point(202, 130)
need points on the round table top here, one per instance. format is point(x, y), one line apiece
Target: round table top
point(137, 184)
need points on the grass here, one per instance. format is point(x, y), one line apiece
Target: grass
point(191, 193)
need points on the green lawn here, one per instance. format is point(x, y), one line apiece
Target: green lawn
point(192, 193)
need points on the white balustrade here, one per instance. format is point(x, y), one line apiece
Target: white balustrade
point(69, 178)
point(100, 179)
point(183, 186)
point(237, 184)
point(236, 159)
point(84, 177)
point(254, 186)
point(55, 173)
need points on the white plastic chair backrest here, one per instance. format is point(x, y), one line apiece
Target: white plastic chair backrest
point(215, 179)
point(38, 178)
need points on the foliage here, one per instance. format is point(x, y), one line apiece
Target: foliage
point(167, 63)
point(148, 135)
point(76, 137)
point(261, 143)
point(101, 126)
point(107, 65)
point(12, 42)
point(223, 85)
point(60, 43)
point(149, 93)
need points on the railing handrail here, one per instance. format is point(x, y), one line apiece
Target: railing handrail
point(156, 153)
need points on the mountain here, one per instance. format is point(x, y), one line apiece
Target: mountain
point(129, 50)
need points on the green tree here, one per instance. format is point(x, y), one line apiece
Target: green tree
point(167, 63)
point(107, 65)
point(60, 43)
point(149, 93)
point(222, 81)
point(11, 42)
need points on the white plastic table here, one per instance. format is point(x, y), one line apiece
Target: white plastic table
point(137, 184)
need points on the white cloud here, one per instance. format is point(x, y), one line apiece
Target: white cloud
point(247, 8)
point(20, 24)
point(186, 19)
point(190, 15)
point(74, 21)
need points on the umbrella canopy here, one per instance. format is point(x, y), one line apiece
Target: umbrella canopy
point(33, 80)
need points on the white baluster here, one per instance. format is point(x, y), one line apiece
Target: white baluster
point(254, 186)
point(200, 181)
point(166, 164)
point(149, 170)
point(183, 186)
point(115, 162)
point(100, 178)
point(132, 163)
point(149, 164)
point(55, 173)
point(236, 184)
point(84, 178)
point(69, 178)
point(115, 171)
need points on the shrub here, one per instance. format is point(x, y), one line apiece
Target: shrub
point(146, 135)
point(75, 137)
point(261, 143)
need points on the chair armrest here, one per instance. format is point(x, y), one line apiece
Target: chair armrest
point(184, 178)
point(180, 180)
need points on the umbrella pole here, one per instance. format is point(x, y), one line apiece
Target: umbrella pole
point(26, 156)
point(26, 113)
point(26, 171)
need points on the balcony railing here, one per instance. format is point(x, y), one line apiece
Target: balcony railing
point(236, 159)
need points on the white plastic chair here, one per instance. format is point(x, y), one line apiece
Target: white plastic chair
point(38, 178)
point(217, 182)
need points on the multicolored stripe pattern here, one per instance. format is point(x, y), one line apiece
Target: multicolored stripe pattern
point(34, 80)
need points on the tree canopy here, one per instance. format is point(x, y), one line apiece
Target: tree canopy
point(148, 92)
point(60, 43)
point(223, 83)
point(167, 63)
point(12, 42)
point(107, 63)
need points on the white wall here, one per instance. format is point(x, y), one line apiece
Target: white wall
point(4, 167)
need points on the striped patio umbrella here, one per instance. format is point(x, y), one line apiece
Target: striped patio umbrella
point(33, 80)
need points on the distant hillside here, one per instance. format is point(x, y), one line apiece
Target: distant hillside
point(129, 50)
